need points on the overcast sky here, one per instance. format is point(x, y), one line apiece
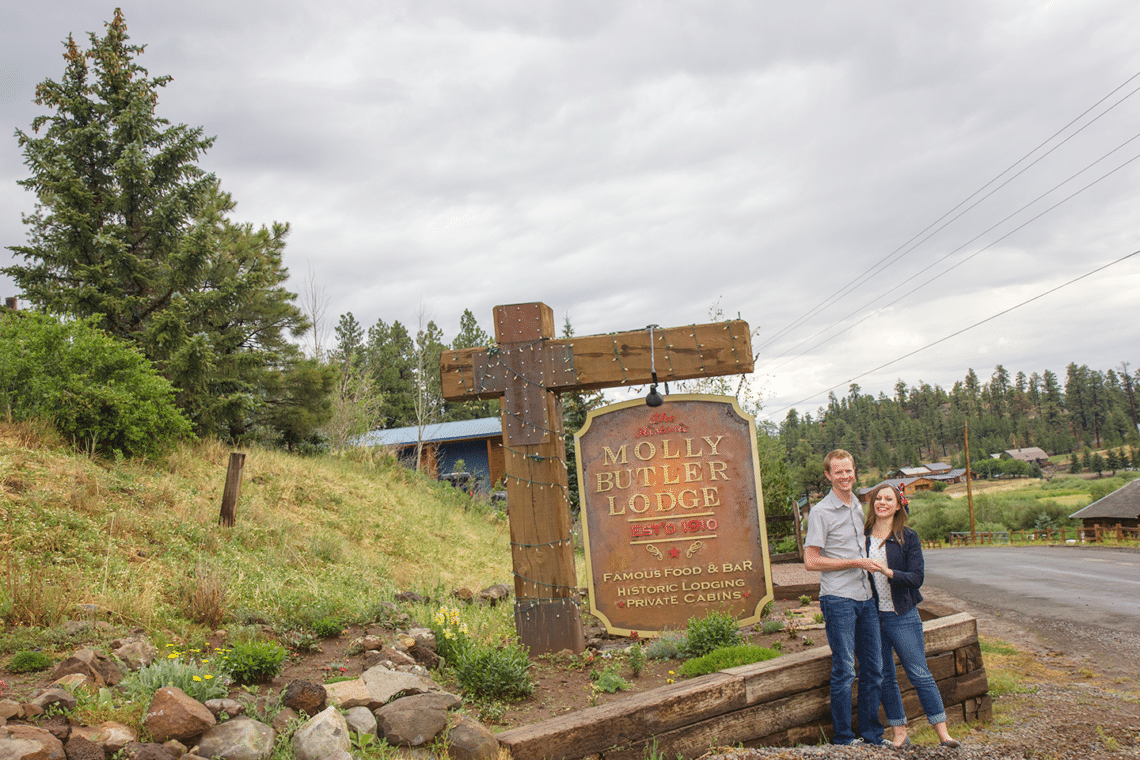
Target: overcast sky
point(630, 163)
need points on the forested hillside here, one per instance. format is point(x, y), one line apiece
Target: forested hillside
point(1088, 408)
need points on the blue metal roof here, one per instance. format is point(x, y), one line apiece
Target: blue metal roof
point(485, 427)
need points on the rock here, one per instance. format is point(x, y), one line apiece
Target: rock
point(346, 694)
point(424, 637)
point(324, 737)
point(111, 736)
point(175, 747)
point(366, 644)
point(361, 720)
point(72, 682)
point(135, 653)
point(426, 657)
point(97, 667)
point(469, 739)
point(31, 711)
point(285, 720)
point(410, 596)
point(305, 697)
point(242, 738)
point(45, 698)
point(29, 743)
point(80, 748)
point(383, 685)
point(174, 715)
point(146, 751)
point(464, 594)
point(396, 657)
point(57, 726)
point(411, 721)
point(230, 707)
point(492, 595)
point(10, 708)
point(372, 659)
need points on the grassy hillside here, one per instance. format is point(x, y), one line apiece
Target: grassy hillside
point(139, 542)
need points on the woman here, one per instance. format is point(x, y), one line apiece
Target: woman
point(897, 550)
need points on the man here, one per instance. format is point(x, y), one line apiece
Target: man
point(835, 548)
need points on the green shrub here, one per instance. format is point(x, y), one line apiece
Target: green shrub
point(101, 393)
point(255, 661)
point(495, 673)
point(667, 646)
point(771, 626)
point(715, 630)
point(729, 657)
point(608, 680)
point(636, 658)
point(328, 627)
point(29, 662)
point(200, 679)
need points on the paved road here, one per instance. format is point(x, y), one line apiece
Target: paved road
point(1087, 586)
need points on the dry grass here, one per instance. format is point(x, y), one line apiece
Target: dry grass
point(314, 536)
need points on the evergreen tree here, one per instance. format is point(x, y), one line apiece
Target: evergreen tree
point(1097, 463)
point(129, 230)
point(1074, 464)
point(1112, 461)
point(391, 360)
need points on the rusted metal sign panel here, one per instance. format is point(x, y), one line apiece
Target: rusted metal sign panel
point(672, 513)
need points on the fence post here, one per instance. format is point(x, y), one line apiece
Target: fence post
point(232, 490)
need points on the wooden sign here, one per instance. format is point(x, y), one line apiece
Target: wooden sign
point(672, 513)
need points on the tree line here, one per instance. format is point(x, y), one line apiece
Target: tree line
point(924, 423)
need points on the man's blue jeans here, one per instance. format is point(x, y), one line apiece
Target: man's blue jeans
point(903, 634)
point(853, 633)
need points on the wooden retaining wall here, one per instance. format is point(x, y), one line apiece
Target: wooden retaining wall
point(781, 702)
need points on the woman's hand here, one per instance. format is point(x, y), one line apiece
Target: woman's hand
point(881, 567)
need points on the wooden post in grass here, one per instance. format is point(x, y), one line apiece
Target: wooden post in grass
point(233, 489)
point(528, 368)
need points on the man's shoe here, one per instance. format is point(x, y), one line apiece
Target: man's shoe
point(854, 742)
point(952, 743)
point(905, 743)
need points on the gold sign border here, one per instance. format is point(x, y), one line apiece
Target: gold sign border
point(723, 400)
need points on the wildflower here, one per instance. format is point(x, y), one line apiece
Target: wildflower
point(207, 676)
point(197, 678)
point(172, 656)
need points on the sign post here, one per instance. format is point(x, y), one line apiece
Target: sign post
point(672, 513)
point(528, 367)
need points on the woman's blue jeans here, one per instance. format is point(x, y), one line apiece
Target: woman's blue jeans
point(903, 634)
point(853, 632)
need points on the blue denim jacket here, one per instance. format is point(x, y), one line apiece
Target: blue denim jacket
point(909, 568)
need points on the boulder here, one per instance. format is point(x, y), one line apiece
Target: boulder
point(492, 595)
point(135, 653)
point(109, 735)
point(361, 720)
point(469, 739)
point(45, 698)
point(230, 707)
point(411, 721)
point(383, 685)
point(346, 694)
point(79, 748)
point(324, 737)
point(285, 720)
point(57, 726)
point(174, 715)
point(146, 751)
point(242, 738)
point(10, 708)
point(97, 667)
point(304, 696)
point(29, 743)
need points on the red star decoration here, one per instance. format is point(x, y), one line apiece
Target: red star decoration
point(674, 553)
point(747, 594)
point(621, 604)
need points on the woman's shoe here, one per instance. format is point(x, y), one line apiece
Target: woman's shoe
point(952, 743)
point(905, 743)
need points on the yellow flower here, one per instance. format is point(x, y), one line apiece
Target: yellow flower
point(172, 656)
point(207, 676)
point(197, 678)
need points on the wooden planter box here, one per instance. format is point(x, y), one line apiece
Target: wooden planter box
point(781, 702)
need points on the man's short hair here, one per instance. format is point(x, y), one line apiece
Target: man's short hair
point(832, 456)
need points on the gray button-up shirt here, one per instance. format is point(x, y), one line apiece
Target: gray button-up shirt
point(837, 529)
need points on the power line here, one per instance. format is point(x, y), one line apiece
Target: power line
point(842, 292)
point(958, 332)
point(951, 268)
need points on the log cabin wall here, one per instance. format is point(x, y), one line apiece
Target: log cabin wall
point(781, 702)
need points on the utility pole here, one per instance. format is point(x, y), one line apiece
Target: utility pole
point(969, 482)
